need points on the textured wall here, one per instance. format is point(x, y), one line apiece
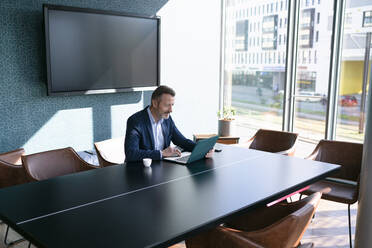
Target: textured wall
point(35, 121)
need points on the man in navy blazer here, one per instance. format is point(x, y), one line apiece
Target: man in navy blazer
point(150, 131)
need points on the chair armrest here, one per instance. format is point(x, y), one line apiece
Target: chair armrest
point(288, 152)
point(12, 157)
point(83, 165)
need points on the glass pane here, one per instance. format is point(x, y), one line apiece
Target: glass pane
point(254, 69)
point(355, 71)
point(313, 63)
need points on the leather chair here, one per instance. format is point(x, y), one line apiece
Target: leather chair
point(278, 226)
point(11, 170)
point(12, 173)
point(45, 165)
point(110, 152)
point(342, 187)
point(273, 141)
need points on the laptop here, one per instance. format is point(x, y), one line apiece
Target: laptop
point(200, 150)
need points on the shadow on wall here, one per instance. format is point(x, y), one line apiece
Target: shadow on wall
point(26, 112)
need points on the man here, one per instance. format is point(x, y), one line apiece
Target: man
point(150, 131)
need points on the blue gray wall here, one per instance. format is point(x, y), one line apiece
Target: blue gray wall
point(31, 119)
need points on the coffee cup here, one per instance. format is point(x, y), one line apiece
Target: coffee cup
point(147, 162)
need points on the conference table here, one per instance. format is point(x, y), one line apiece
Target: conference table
point(133, 206)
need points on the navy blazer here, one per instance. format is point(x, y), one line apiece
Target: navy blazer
point(139, 139)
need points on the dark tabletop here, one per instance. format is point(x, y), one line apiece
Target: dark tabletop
point(133, 206)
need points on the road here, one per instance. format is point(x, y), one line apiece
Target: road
point(250, 98)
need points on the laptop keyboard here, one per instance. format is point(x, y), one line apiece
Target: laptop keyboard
point(183, 159)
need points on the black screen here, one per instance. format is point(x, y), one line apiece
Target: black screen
point(94, 51)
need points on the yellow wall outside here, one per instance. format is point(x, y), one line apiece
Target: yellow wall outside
point(351, 79)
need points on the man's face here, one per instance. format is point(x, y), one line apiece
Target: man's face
point(164, 106)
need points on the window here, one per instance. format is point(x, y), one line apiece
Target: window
point(315, 57)
point(281, 5)
point(352, 95)
point(280, 39)
point(317, 36)
point(367, 19)
point(249, 80)
point(318, 18)
point(280, 22)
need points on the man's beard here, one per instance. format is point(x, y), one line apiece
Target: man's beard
point(166, 116)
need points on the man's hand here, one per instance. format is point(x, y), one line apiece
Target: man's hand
point(170, 152)
point(210, 153)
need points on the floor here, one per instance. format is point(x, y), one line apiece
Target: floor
point(328, 229)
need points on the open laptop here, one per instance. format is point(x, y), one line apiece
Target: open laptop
point(200, 150)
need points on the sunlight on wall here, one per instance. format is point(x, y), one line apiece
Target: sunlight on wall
point(77, 124)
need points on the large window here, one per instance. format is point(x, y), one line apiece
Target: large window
point(254, 72)
point(312, 78)
point(355, 72)
point(255, 87)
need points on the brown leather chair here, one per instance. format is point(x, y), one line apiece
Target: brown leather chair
point(273, 141)
point(278, 226)
point(11, 170)
point(342, 187)
point(45, 165)
point(12, 173)
point(110, 152)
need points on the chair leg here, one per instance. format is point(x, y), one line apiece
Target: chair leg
point(11, 242)
point(348, 209)
point(300, 196)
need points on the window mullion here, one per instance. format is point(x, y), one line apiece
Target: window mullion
point(334, 69)
point(291, 65)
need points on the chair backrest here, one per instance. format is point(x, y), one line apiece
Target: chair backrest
point(11, 171)
point(281, 225)
point(299, 220)
point(274, 141)
point(44, 165)
point(348, 155)
point(110, 152)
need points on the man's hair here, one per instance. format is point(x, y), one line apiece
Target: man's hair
point(162, 90)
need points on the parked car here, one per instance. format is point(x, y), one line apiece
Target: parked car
point(308, 96)
point(348, 101)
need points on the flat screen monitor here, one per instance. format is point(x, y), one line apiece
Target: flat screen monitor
point(94, 51)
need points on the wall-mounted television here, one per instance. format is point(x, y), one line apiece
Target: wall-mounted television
point(95, 51)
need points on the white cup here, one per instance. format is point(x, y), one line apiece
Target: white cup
point(147, 162)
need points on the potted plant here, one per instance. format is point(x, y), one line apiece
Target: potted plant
point(225, 122)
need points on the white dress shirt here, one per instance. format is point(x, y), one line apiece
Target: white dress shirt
point(157, 132)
